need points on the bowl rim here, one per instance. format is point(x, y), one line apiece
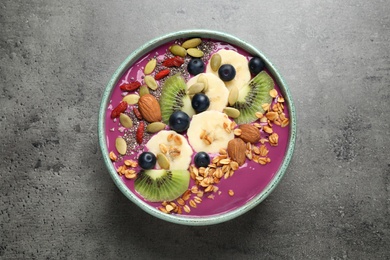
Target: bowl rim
point(183, 219)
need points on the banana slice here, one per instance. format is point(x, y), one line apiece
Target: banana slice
point(216, 91)
point(239, 62)
point(174, 146)
point(210, 131)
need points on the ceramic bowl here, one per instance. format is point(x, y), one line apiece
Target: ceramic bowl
point(250, 186)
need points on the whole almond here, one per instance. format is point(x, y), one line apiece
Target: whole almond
point(149, 108)
point(249, 133)
point(236, 150)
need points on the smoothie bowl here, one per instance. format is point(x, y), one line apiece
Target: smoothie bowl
point(196, 127)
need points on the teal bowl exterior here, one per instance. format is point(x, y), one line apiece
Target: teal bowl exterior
point(181, 219)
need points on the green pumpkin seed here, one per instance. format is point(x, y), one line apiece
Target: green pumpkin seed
point(131, 99)
point(125, 120)
point(143, 90)
point(203, 79)
point(194, 52)
point(178, 50)
point(150, 66)
point(231, 112)
point(163, 161)
point(195, 88)
point(215, 62)
point(233, 95)
point(151, 82)
point(191, 43)
point(155, 127)
point(120, 145)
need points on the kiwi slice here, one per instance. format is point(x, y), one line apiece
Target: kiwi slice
point(174, 98)
point(252, 96)
point(162, 185)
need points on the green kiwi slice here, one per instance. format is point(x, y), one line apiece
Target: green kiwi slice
point(174, 98)
point(161, 185)
point(252, 96)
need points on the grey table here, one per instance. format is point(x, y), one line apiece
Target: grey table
point(57, 200)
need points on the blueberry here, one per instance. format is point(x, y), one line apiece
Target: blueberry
point(256, 65)
point(146, 160)
point(202, 159)
point(179, 121)
point(195, 66)
point(200, 102)
point(227, 72)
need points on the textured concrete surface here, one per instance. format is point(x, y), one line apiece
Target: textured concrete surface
point(58, 202)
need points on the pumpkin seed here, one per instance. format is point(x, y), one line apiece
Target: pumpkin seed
point(143, 90)
point(150, 66)
point(191, 43)
point(163, 161)
point(232, 112)
point(131, 99)
point(151, 82)
point(125, 120)
point(178, 50)
point(194, 52)
point(233, 95)
point(120, 145)
point(155, 127)
point(203, 79)
point(195, 88)
point(215, 62)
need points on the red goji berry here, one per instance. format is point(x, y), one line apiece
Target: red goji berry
point(119, 109)
point(137, 113)
point(139, 136)
point(162, 74)
point(130, 86)
point(176, 61)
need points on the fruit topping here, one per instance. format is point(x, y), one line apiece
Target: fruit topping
point(195, 66)
point(161, 185)
point(130, 86)
point(210, 131)
point(179, 121)
point(253, 96)
point(202, 159)
point(139, 135)
point(240, 64)
point(162, 74)
point(215, 91)
point(174, 98)
point(226, 72)
point(176, 61)
point(174, 146)
point(116, 112)
point(146, 160)
point(256, 65)
point(200, 102)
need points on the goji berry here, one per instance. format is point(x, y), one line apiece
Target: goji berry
point(130, 86)
point(176, 61)
point(137, 113)
point(162, 74)
point(140, 132)
point(119, 109)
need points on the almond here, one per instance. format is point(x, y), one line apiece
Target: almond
point(236, 150)
point(149, 108)
point(249, 133)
